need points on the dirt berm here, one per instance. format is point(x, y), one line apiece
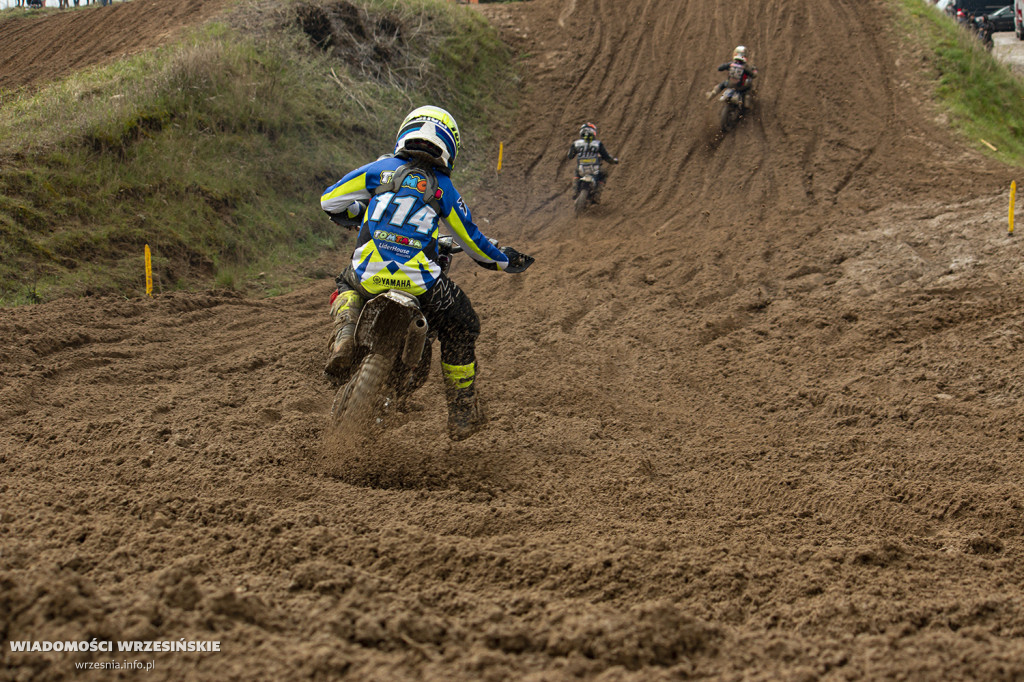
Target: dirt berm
point(758, 415)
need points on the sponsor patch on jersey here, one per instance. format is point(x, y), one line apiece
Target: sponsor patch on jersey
point(400, 251)
point(416, 182)
point(382, 236)
point(419, 183)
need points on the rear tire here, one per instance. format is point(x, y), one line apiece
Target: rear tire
point(729, 116)
point(358, 402)
point(581, 200)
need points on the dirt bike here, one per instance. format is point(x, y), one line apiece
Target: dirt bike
point(732, 109)
point(393, 351)
point(986, 39)
point(587, 186)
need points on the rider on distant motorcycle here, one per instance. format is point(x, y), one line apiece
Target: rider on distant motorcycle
point(985, 29)
point(590, 151)
point(741, 76)
point(397, 202)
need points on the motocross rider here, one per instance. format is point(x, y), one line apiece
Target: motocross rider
point(985, 29)
point(741, 76)
point(397, 202)
point(590, 150)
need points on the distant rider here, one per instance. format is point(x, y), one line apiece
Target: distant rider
point(398, 203)
point(740, 78)
point(590, 151)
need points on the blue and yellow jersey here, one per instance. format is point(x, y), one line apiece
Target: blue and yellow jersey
point(397, 244)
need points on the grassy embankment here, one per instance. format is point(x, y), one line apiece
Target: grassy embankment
point(214, 150)
point(984, 99)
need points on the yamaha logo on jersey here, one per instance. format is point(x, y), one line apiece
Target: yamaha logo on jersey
point(389, 281)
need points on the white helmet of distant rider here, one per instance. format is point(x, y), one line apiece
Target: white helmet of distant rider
point(740, 54)
point(429, 133)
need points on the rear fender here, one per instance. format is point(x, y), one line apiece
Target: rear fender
point(393, 323)
point(587, 173)
point(732, 97)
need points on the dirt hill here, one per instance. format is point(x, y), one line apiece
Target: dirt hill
point(756, 416)
point(38, 49)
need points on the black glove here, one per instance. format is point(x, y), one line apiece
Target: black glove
point(345, 221)
point(616, 161)
point(517, 262)
point(351, 217)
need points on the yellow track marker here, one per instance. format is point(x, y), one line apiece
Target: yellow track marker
point(1013, 200)
point(149, 272)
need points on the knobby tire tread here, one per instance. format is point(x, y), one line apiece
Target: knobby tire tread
point(727, 119)
point(363, 394)
point(581, 200)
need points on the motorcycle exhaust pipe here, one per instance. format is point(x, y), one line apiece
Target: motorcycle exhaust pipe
point(415, 337)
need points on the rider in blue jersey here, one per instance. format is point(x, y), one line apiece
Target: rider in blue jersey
point(399, 203)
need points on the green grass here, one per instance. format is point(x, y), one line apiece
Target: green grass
point(214, 150)
point(984, 99)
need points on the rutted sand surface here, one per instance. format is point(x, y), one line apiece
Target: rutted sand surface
point(756, 416)
point(34, 50)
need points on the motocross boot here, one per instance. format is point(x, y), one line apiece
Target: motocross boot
point(464, 414)
point(345, 312)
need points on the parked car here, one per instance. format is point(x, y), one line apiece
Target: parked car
point(1002, 19)
point(978, 7)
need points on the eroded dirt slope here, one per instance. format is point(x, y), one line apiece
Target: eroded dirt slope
point(35, 50)
point(756, 416)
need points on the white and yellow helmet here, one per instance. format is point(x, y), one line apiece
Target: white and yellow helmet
point(740, 54)
point(429, 133)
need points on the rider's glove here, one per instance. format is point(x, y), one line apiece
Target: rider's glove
point(615, 160)
point(517, 262)
point(355, 210)
point(351, 217)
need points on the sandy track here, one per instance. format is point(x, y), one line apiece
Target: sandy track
point(756, 416)
point(39, 49)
